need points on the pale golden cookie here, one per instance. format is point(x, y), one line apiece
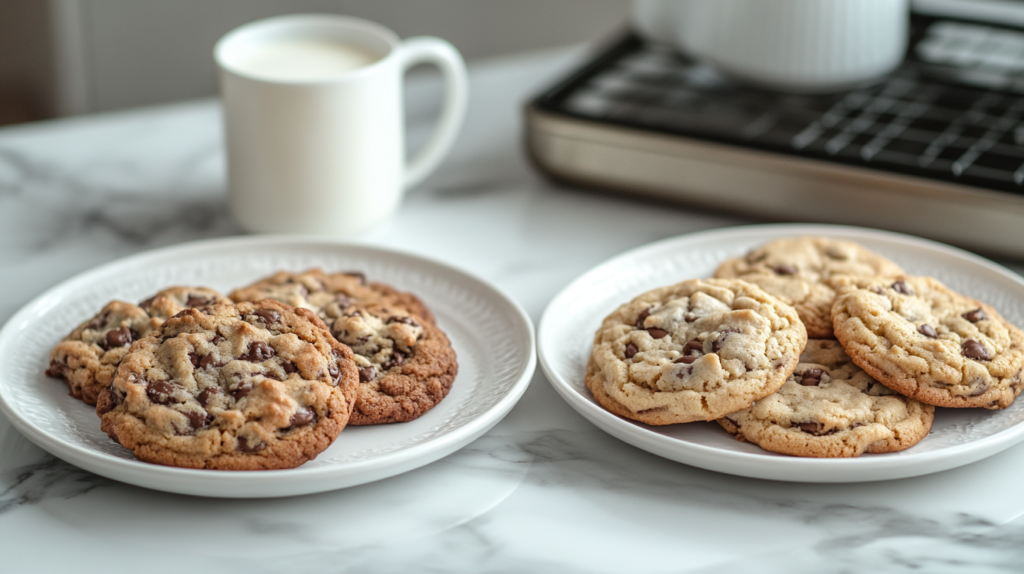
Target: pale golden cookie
point(798, 271)
point(830, 408)
point(693, 351)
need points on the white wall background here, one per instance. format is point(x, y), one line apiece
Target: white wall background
point(123, 53)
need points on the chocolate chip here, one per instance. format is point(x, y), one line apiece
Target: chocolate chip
point(397, 358)
point(693, 347)
point(980, 390)
point(288, 366)
point(367, 374)
point(811, 377)
point(116, 398)
point(217, 339)
point(194, 302)
point(688, 360)
point(785, 269)
point(120, 337)
point(358, 275)
point(975, 350)
point(657, 333)
point(405, 320)
point(810, 428)
point(242, 391)
point(343, 300)
point(877, 290)
point(302, 417)
point(258, 352)
point(976, 315)
point(690, 317)
point(209, 361)
point(207, 395)
point(148, 303)
point(900, 287)
point(250, 445)
point(160, 392)
point(196, 418)
point(631, 351)
point(643, 316)
point(270, 375)
point(57, 370)
point(195, 359)
point(268, 316)
point(334, 371)
point(928, 331)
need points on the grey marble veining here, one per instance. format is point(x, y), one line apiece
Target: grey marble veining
point(544, 491)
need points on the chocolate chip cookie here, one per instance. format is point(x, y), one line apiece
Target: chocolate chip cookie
point(830, 408)
point(694, 351)
point(329, 294)
point(406, 364)
point(257, 385)
point(928, 342)
point(798, 271)
point(86, 358)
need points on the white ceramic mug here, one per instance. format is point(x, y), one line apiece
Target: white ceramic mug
point(322, 150)
point(791, 45)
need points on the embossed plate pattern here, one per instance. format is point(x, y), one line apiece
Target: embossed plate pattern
point(491, 334)
point(959, 436)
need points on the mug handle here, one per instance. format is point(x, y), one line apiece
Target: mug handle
point(430, 50)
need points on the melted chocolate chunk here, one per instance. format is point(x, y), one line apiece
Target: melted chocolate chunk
point(785, 269)
point(258, 352)
point(302, 417)
point(268, 316)
point(194, 302)
point(217, 339)
point(811, 377)
point(242, 390)
point(397, 358)
point(367, 374)
point(334, 371)
point(976, 315)
point(207, 394)
point(209, 361)
point(928, 331)
point(405, 320)
point(195, 359)
point(288, 366)
point(975, 350)
point(160, 392)
point(120, 337)
point(657, 333)
point(810, 428)
point(643, 316)
point(57, 370)
point(196, 418)
point(900, 287)
point(250, 445)
point(693, 347)
point(687, 360)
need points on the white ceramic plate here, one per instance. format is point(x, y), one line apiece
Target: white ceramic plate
point(958, 437)
point(491, 334)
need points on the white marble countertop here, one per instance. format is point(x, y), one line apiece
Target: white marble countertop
point(544, 491)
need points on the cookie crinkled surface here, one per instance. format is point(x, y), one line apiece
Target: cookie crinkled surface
point(693, 351)
point(830, 408)
point(257, 385)
point(926, 341)
point(798, 271)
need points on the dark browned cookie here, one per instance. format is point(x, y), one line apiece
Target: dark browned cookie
point(406, 364)
point(257, 385)
point(329, 294)
point(86, 358)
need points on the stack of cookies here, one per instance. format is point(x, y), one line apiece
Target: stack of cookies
point(809, 347)
point(265, 379)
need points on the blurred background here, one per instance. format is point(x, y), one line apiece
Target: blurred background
point(65, 57)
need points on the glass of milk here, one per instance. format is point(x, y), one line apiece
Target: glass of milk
point(314, 124)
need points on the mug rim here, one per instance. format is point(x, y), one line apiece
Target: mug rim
point(335, 21)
